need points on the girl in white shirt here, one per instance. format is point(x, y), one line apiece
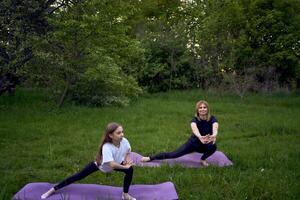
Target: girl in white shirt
point(113, 155)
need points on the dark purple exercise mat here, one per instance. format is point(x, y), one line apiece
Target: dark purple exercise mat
point(33, 191)
point(190, 160)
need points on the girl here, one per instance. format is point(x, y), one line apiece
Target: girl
point(204, 133)
point(113, 154)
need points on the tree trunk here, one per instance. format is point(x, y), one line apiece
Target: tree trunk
point(173, 65)
point(64, 94)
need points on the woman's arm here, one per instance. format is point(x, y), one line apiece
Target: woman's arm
point(196, 132)
point(213, 137)
point(215, 129)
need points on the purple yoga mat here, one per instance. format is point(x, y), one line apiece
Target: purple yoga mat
point(190, 160)
point(33, 191)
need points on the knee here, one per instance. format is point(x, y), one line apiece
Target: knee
point(129, 170)
point(212, 147)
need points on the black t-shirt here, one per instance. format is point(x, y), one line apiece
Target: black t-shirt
point(204, 127)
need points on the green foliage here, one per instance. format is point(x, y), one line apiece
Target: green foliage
point(162, 45)
point(20, 21)
point(275, 38)
point(89, 39)
point(217, 37)
point(166, 65)
point(105, 84)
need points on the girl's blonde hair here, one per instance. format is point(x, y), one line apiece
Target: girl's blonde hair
point(207, 118)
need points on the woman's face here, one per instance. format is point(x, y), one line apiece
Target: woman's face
point(202, 109)
point(117, 135)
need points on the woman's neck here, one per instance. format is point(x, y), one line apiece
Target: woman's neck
point(203, 117)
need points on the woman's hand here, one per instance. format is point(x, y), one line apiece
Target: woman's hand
point(212, 138)
point(204, 139)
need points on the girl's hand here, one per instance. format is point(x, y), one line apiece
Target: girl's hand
point(128, 165)
point(128, 161)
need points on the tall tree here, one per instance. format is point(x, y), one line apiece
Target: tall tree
point(20, 22)
point(247, 37)
point(90, 40)
point(158, 25)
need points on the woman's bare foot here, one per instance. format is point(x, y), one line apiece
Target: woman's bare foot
point(48, 193)
point(204, 163)
point(145, 159)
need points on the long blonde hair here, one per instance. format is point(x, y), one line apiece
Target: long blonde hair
point(110, 128)
point(197, 108)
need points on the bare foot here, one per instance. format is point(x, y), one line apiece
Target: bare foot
point(48, 193)
point(145, 159)
point(126, 196)
point(204, 163)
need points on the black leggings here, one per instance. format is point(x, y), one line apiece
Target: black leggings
point(192, 145)
point(90, 168)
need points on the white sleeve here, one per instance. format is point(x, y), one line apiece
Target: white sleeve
point(128, 146)
point(106, 154)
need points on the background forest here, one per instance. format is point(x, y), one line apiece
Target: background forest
point(109, 52)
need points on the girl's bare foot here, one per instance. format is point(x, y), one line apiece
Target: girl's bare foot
point(145, 159)
point(204, 163)
point(126, 196)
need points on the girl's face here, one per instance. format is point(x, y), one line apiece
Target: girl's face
point(117, 135)
point(202, 109)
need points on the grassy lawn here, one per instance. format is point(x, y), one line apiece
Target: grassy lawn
point(260, 134)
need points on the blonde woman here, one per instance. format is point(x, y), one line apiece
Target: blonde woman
point(204, 133)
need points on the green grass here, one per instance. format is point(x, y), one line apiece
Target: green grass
point(260, 133)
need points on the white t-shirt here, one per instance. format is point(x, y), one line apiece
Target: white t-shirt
point(112, 153)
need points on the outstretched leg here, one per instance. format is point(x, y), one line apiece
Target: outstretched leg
point(184, 149)
point(87, 170)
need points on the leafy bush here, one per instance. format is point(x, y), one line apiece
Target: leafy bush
point(105, 84)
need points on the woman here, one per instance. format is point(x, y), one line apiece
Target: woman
point(205, 130)
point(113, 155)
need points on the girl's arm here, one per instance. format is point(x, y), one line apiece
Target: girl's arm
point(116, 165)
point(196, 132)
point(127, 159)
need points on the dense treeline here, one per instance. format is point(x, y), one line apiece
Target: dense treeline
point(103, 52)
